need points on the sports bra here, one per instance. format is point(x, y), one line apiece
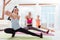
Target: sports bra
point(37, 22)
point(29, 20)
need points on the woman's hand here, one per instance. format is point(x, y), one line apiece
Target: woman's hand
point(8, 13)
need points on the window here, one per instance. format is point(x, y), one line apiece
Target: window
point(47, 13)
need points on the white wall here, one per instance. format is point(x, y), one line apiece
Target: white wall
point(16, 2)
point(1, 4)
point(46, 14)
point(34, 9)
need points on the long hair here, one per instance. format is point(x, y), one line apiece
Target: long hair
point(12, 12)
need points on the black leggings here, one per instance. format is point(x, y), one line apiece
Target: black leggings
point(12, 31)
point(33, 28)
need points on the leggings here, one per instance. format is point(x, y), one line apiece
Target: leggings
point(12, 31)
point(33, 28)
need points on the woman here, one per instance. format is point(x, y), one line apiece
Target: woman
point(29, 20)
point(15, 24)
point(38, 24)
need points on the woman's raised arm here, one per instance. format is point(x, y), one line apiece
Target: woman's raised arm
point(9, 14)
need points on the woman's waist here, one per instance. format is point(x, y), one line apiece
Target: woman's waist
point(29, 23)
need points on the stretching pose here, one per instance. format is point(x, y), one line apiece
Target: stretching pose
point(15, 24)
point(29, 24)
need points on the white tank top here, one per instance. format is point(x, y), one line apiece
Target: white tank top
point(15, 24)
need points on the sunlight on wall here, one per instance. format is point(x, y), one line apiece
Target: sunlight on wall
point(1, 4)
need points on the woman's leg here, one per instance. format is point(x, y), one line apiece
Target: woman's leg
point(26, 28)
point(10, 31)
point(37, 29)
point(28, 32)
